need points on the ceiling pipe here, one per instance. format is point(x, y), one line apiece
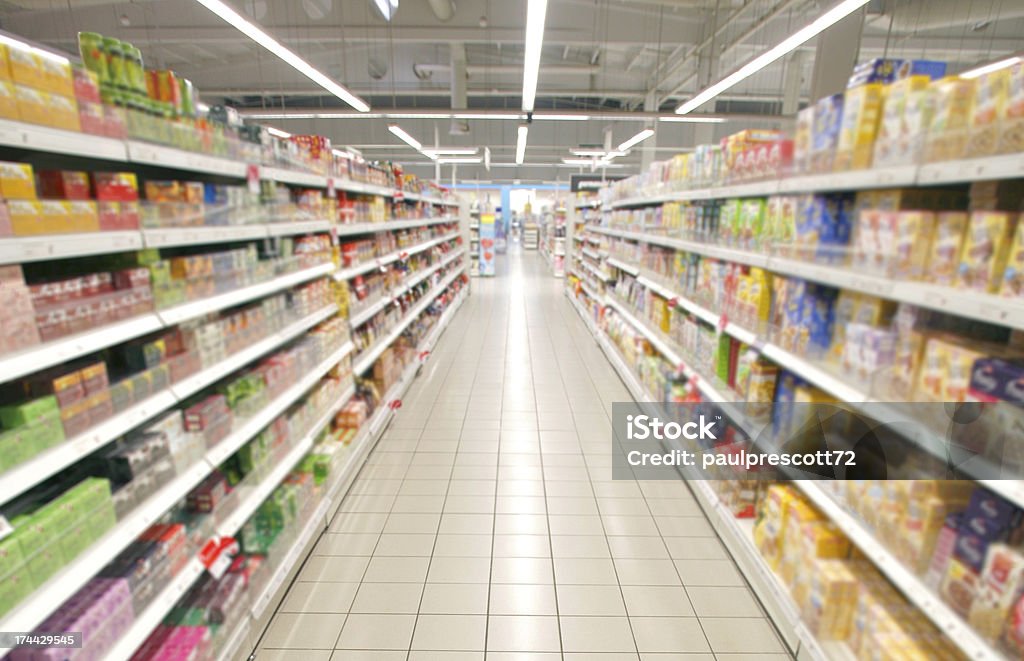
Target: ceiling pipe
point(517, 69)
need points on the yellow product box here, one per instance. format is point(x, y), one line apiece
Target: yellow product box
point(1013, 274)
point(8, 101)
point(946, 370)
point(799, 514)
point(922, 524)
point(985, 251)
point(946, 247)
point(56, 75)
point(991, 95)
point(768, 532)
point(1011, 137)
point(951, 102)
point(802, 140)
point(892, 126)
point(61, 216)
point(845, 312)
point(908, 357)
point(25, 66)
point(913, 234)
point(873, 310)
point(25, 217)
point(32, 104)
point(17, 181)
point(862, 108)
point(62, 112)
point(917, 117)
point(761, 293)
point(5, 62)
point(959, 586)
point(831, 601)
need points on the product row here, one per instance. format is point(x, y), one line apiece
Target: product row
point(49, 300)
point(894, 112)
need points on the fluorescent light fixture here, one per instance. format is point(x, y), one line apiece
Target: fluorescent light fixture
point(278, 133)
point(562, 118)
point(595, 153)
point(693, 120)
point(257, 34)
point(536, 13)
point(387, 8)
point(480, 115)
point(521, 143)
point(405, 137)
point(581, 161)
point(460, 160)
point(804, 34)
point(636, 139)
point(977, 72)
point(451, 151)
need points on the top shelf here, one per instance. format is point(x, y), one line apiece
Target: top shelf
point(1008, 166)
point(71, 143)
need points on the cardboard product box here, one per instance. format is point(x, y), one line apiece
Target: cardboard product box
point(115, 186)
point(62, 112)
point(1011, 133)
point(63, 184)
point(33, 105)
point(17, 181)
point(25, 66)
point(862, 109)
point(986, 250)
point(899, 125)
point(828, 116)
point(9, 101)
point(951, 102)
point(991, 96)
point(914, 232)
point(946, 247)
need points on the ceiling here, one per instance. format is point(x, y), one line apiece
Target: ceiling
point(604, 58)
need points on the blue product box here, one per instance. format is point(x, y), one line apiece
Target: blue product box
point(828, 120)
point(877, 70)
point(1000, 513)
point(971, 550)
point(993, 379)
point(819, 315)
point(931, 68)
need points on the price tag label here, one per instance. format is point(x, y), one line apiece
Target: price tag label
point(395, 404)
point(252, 176)
point(216, 555)
point(424, 355)
point(673, 302)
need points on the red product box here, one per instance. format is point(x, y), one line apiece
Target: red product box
point(85, 85)
point(131, 278)
point(115, 186)
point(63, 184)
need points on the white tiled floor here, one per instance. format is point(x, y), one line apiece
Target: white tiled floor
point(486, 524)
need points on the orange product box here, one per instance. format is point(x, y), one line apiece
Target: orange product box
point(33, 105)
point(25, 66)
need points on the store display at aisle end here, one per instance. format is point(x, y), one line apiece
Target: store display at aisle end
point(185, 391)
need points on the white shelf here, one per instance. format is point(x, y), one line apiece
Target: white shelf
point(65, 349)
point(193, 309)
point(168, 157)
point(1007, 166)
point(921, 596)
point(402, 253)
point(590, 253)
point(597, 273)
point(989, 308)
point(361, 317)
point(57, 141)
point(148, 620)
point(19, 250)
point(623, 266)
point(297, 227)
point(294, 177)
point(366, 359)
point(190, 236)
point(391, 225)
point(25, 476)
point(252, 426)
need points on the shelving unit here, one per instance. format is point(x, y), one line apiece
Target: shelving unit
point(21, 480)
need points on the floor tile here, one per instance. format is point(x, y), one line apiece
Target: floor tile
point(459, 570)
point(383, 569)
point(319, 597)
point(758, 636)
point(455, 599)
point(657, 601)
point(708, 572)
point(522, 633)
point(346, 544)
point(412, 524)
point(584, 571)
point(477, 546)
point(636, 548)
point(670, 634)
point(400, 544)
point(377, 632)
point(522, 600)
point(304, 630)
point(522, 546)
point(450, 632)
point(466, 524)
point(723, 601)
point(596, 634)
point(418, 504)
point(579, 546)
point(646, 572)
point(388, 598)
point(695, 548)
point(468, 504)
point(266, 654)
point(329, 569)
point(590, 600)
point(520, 524)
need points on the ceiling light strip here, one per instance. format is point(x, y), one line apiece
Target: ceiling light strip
point(257, 34)
point(635, 140)
point(536, 13)
point(804, 34)
point(977, 72)
point(521, 143)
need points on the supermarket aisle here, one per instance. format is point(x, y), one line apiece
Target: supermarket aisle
point(486, 522)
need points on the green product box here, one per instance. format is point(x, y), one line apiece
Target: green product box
point(102, 520)
point(44, 563)
point(74, 541)
point(48, 433)
point(88, 495)
point(13, 589)
point(15, 448)
point(752, 221)
point(29, 412)
point(11, 557)
point(722, 357)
